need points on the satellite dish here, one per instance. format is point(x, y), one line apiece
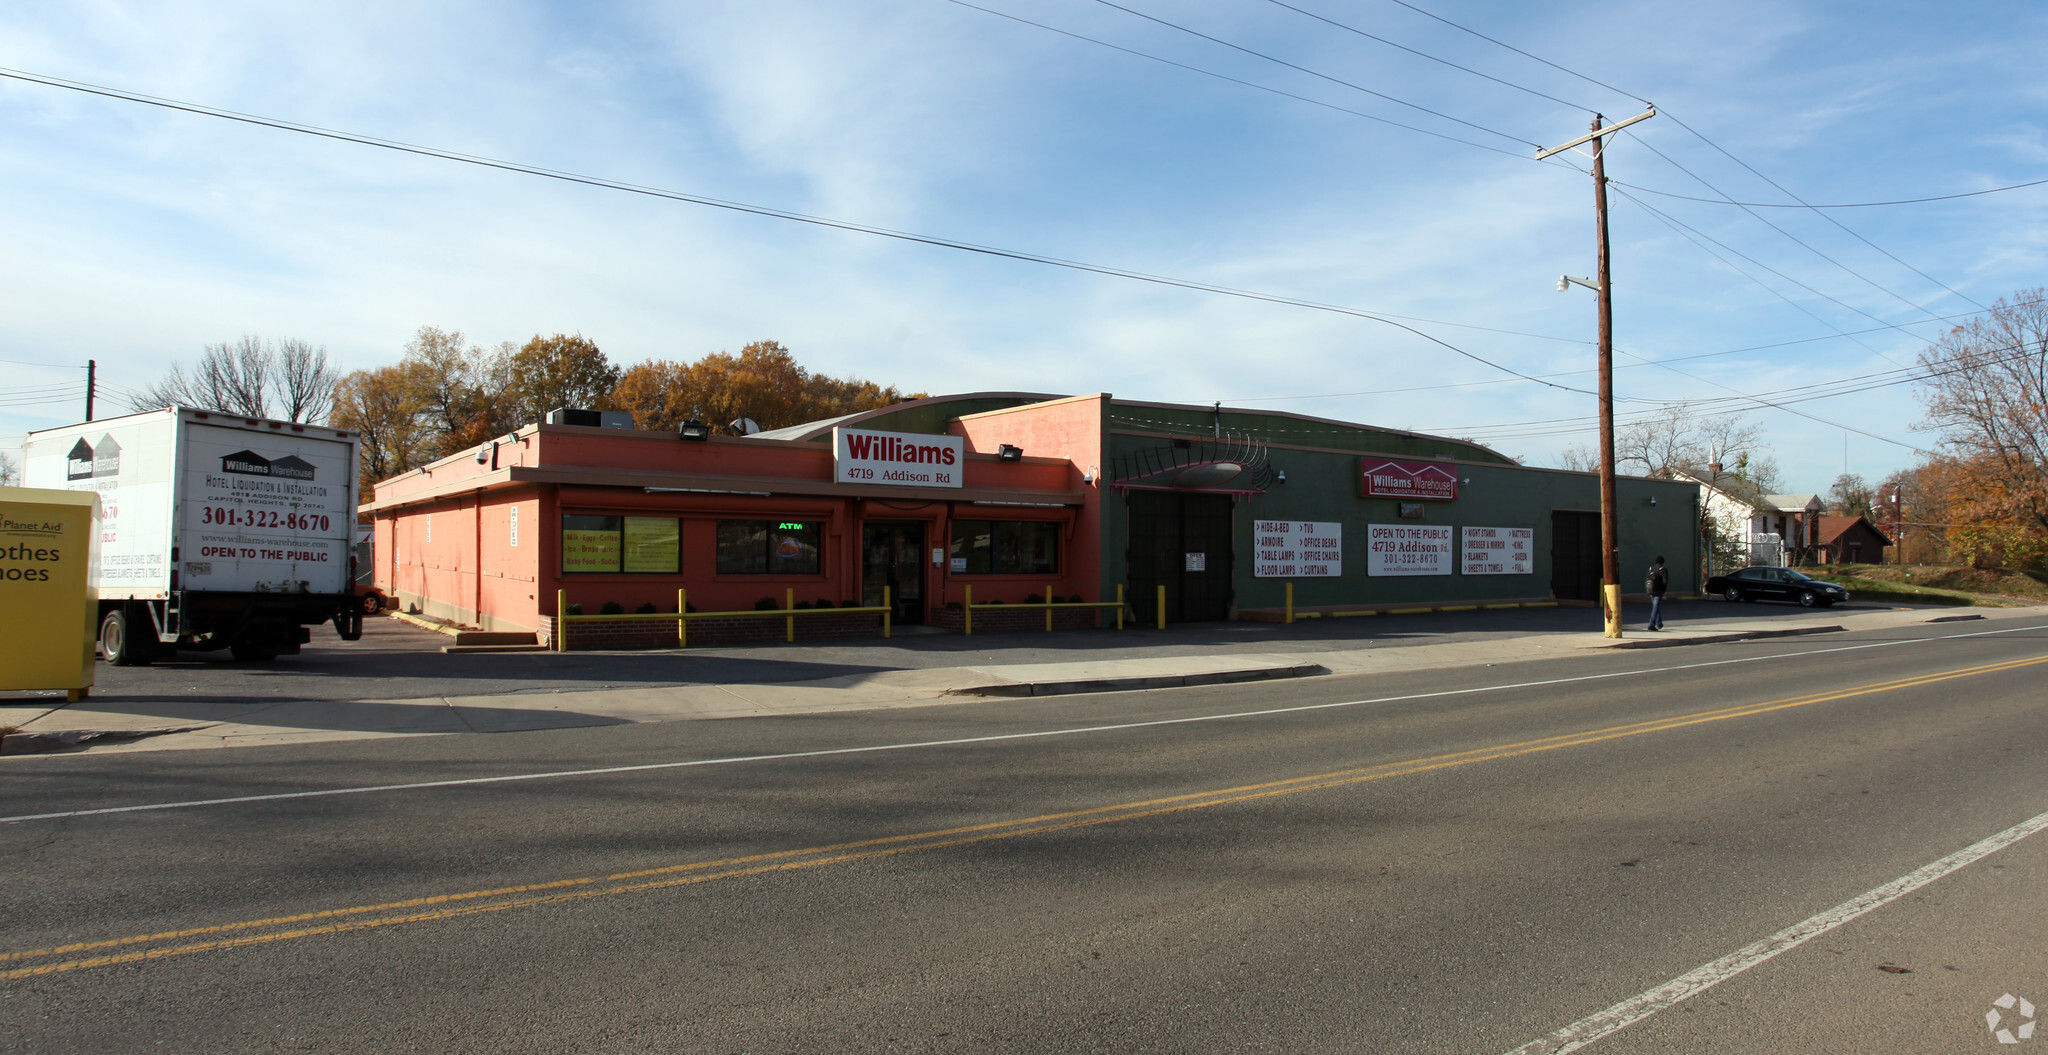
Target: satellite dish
point(745, 426)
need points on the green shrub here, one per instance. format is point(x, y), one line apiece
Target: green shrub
point(802, 606)
point(1034, 599)
point(647, 609)
point(821, 603)
point(575, 609)
point(766, 604)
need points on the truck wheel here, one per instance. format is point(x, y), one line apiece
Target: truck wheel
point(121, 646)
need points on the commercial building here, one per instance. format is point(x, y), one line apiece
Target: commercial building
point(1014, 495)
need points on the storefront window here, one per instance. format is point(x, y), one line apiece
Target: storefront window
point(652, 544)
point(589, 543)
point(768, 547)
point(1006, 547)
point(644, 545)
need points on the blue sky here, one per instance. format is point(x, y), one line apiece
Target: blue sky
point(136, 235)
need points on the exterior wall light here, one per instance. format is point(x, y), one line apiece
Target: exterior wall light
point(1280, 475)
point(1010, 452)
point(695, 431)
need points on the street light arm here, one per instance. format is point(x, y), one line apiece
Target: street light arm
point(1565, 282)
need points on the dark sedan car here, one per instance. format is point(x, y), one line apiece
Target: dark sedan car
point(1764, 583)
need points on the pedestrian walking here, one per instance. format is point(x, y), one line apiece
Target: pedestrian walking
point(1656, 582)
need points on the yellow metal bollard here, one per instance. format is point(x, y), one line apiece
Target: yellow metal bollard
point(682, 624)
point(789, 621)
point(1290, 603)
point(1119, 606)
point(967, 610)
point(1161, 608)
point(561, 620)
point(888, 608)
point(1048, 609)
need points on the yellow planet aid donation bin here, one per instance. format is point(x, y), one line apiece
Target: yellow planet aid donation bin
point(49, 608)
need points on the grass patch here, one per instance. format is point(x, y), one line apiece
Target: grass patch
point(1936, 584)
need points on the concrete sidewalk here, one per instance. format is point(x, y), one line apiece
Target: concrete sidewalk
point(188, 723)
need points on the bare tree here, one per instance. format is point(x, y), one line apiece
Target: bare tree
point(305, 381)
point(1986, 391)
point(251, 377)
point(9, 473)
point(1677, 439)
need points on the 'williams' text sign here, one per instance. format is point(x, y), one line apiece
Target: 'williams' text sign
point(1389, 479)
point(904, 459)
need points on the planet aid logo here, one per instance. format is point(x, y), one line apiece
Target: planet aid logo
point(28, 548)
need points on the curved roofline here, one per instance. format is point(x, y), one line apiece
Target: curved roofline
point(1354, 425)
point(822, 428)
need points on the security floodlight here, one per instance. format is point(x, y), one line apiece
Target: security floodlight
point(693, 430)
point(1010, 452)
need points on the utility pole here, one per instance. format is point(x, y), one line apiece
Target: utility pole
point(1610, 543)
point(91, 380)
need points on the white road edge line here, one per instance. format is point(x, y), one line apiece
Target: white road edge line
point(1690, 984)
point(995, 738)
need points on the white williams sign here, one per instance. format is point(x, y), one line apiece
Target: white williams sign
point(903, 459)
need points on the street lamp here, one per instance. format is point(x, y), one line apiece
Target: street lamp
point(1610, 543)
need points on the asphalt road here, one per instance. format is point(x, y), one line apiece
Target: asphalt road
point(1463, 860)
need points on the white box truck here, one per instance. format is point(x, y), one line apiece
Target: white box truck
point(217, 531)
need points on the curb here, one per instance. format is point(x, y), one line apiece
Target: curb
point(75, 739)
point(1710, 639)
point(469, 638)
point(1158, 681)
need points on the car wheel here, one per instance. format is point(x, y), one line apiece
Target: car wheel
point(372, 603)
point(1807, 598)
point(1731, 595)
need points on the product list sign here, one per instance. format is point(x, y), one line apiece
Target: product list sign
point(1498, 550)
point(902, 459)
point(1408, 549)
point(1297, 549)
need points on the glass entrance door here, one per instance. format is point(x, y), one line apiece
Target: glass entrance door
point(893, 555)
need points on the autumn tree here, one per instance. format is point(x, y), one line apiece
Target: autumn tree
point(464, 390)
point(763, 382)
point(549, 373)
point(1986, 392)
point(383, 408)
point(1852, 496)
point(252, 377)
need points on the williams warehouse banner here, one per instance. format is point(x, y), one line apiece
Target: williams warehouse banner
point(1391, 479)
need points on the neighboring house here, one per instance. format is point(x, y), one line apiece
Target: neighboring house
point(1792, 518)
point(1850, 540)
point(1759, 528)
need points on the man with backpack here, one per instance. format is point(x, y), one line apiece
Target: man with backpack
point(1656, 582)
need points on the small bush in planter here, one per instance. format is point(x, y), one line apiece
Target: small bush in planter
point(1034, 599)
point(766, 604)
point(690, 606)
point(647, 609)
point(575, 609)
point(993, 602)
point(802, 606)
point(952, 606)
point(821, 603)
point(612, 608)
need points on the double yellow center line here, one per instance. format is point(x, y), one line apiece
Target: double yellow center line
point(62, 958)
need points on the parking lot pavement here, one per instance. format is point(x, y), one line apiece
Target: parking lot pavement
point(396, 681)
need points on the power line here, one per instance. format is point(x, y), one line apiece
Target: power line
point(1324, 76)
point(1816, 208)
point(756, 210)
point(1524, 54)
point(1787, 193)
point(1518, 155)
point(1758, 217)
point(1432, 58)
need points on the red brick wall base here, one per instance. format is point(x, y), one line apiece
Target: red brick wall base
point(1022, 618)
point(656, 631)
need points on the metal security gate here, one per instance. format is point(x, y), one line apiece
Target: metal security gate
point(1574, 555)
point(1182, 542)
